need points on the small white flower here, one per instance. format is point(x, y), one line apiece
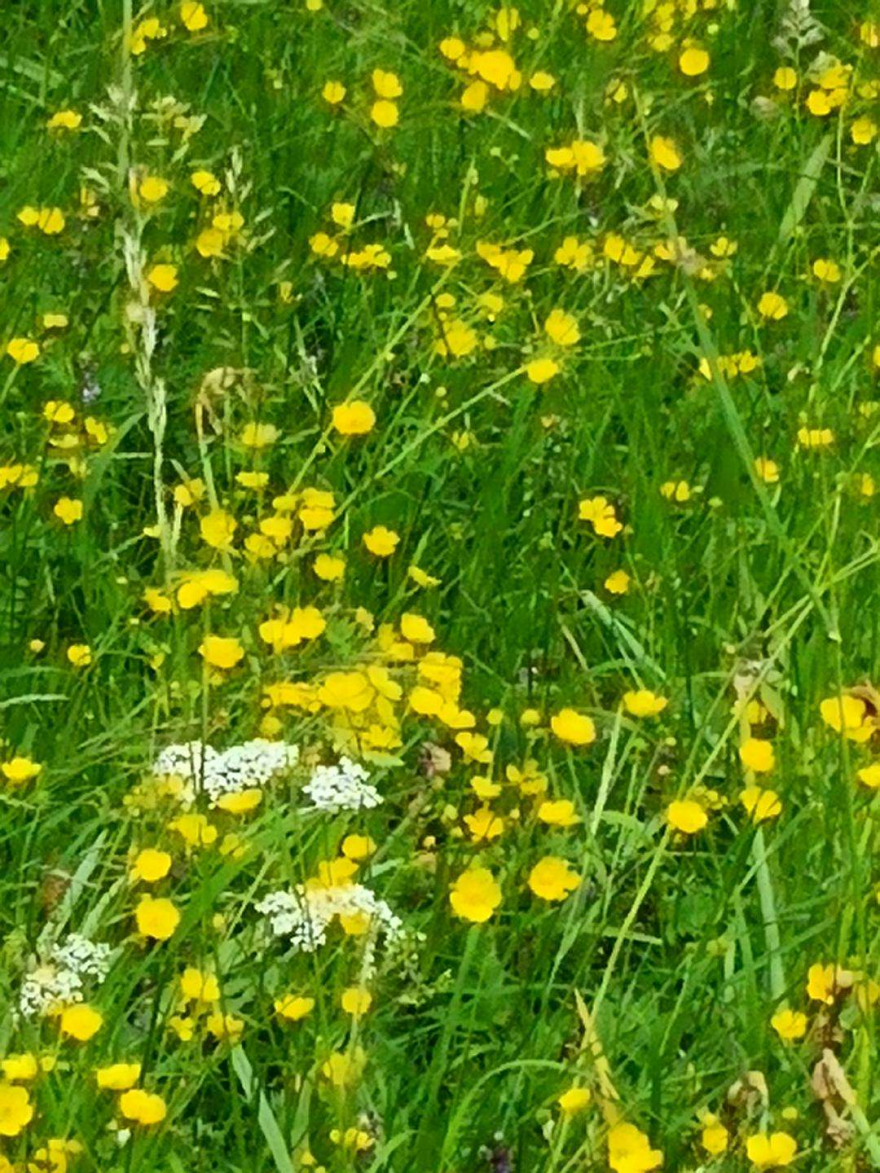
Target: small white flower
point(343, 787)
point(305, 914)
point(241, 767)
point(57, 980)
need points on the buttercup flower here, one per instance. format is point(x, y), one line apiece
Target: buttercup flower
point(475, 895)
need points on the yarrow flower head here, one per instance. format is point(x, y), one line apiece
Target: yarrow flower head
point(305, 915)
point(343, 787)
point(61, 977)
point(248, 766)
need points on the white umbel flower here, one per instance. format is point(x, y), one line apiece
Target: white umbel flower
point(343, 787)
point(305, 914)
point(58, 980)
point(241, 767)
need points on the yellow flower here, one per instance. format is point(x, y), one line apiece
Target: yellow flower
point(152, 189)
point(558, 813)
point(20, 1068)
point(118, 1077)
point(150, 29)
point(19, 770)
point(357, 847)
point(16, 1111)
point(585, 158)
point(256, 435)
point(333, 92)
point(194, 829)
point(68, 510)
point(386, 84)
point(80, 1022)
point(767, 470)
point(496, 67)
point(760, 804)
point(356, 1001)
point(344, 1069)
point(380, 541)
point(664, 153)
point(756, 754)
point(552, 879)
point(224, 1026)
point(416, 629)
point(821, 985)
point(22, 350)
point(870, 776)
point(292, 1007)
point(601, 515)
point(355, 418)
point(785, 78)
point(542, 81)
point(617, 583)
point(714, 1138)
point(475, 895)
point(189, 492)
point(643, 703)
point(686, 816)
point(772, 306)
point(815, 437)
point(64, 120)
point(328, 567)
point(826, 270)
point(151, 865)
point(600, 25)
point(217, 529)
point(193, 16)
point(573, 728)
point(474, 746)
point(157, 918)
point(773, 1151)
point(56, 411)
point(629, 1150)
point(221, 651)
point(163, 277)
point(676, 491)
point(484, 825)
point(183, 1026)
point(693, 61)
point(863, 131)
point(541, 370)
point(79, 655)
point(242, 802)
point(789, 1024)
point(142, 1107)
point(819, 103)
point(452, 48)
point(202, 584)
point(210, 242)
point(49, 220)
point(575, 1099)
point(562, 328)
point(205, 182)
point(385, 114)
point(847, 715)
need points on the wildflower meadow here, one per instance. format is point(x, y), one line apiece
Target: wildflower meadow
point(439, 599)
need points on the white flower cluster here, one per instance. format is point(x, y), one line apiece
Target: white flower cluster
point(241, 767)
point(305, 914)
point(343, 787)
point(58, 980)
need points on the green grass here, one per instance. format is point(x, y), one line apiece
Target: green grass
point(653, 984)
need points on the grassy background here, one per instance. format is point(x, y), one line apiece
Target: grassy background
point(666, 940)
